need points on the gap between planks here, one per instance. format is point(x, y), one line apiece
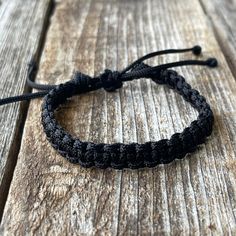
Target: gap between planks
point(7, 172)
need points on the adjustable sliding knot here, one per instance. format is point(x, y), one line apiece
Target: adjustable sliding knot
point(140, 66)
point(82, 82)
point(142, 70)
point(110, 80)
point(165, 77)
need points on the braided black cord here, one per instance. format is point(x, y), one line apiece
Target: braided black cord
point(119, 155)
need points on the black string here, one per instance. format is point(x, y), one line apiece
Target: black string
point(125, 75)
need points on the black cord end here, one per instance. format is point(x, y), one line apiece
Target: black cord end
point(197, 50)
point(32, 66)
point(212, 62)
point(33, 63)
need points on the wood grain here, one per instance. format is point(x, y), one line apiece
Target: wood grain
point(21, 27)
point(194, 196)
point(223, 18)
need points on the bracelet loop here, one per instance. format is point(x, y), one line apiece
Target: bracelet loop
point(133, 155)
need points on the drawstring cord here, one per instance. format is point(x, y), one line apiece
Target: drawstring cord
point(135, 70)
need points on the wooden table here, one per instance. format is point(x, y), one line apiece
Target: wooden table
point(41, 193)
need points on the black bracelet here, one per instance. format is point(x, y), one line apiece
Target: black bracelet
point(119, 155)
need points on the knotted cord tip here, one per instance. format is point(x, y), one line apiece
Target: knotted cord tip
point(212, 62)
point(197, 50)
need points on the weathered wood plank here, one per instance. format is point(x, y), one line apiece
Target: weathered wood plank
point(21, 26)
point(194, 196)
point(222, 15)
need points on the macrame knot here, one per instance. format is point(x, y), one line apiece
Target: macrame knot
point(82, 82)
point(110, 80)
point(163, 76)
point(140, 66)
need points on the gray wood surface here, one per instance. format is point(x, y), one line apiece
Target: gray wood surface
point(21, 24)
point(194, 196)
point(222, 15)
